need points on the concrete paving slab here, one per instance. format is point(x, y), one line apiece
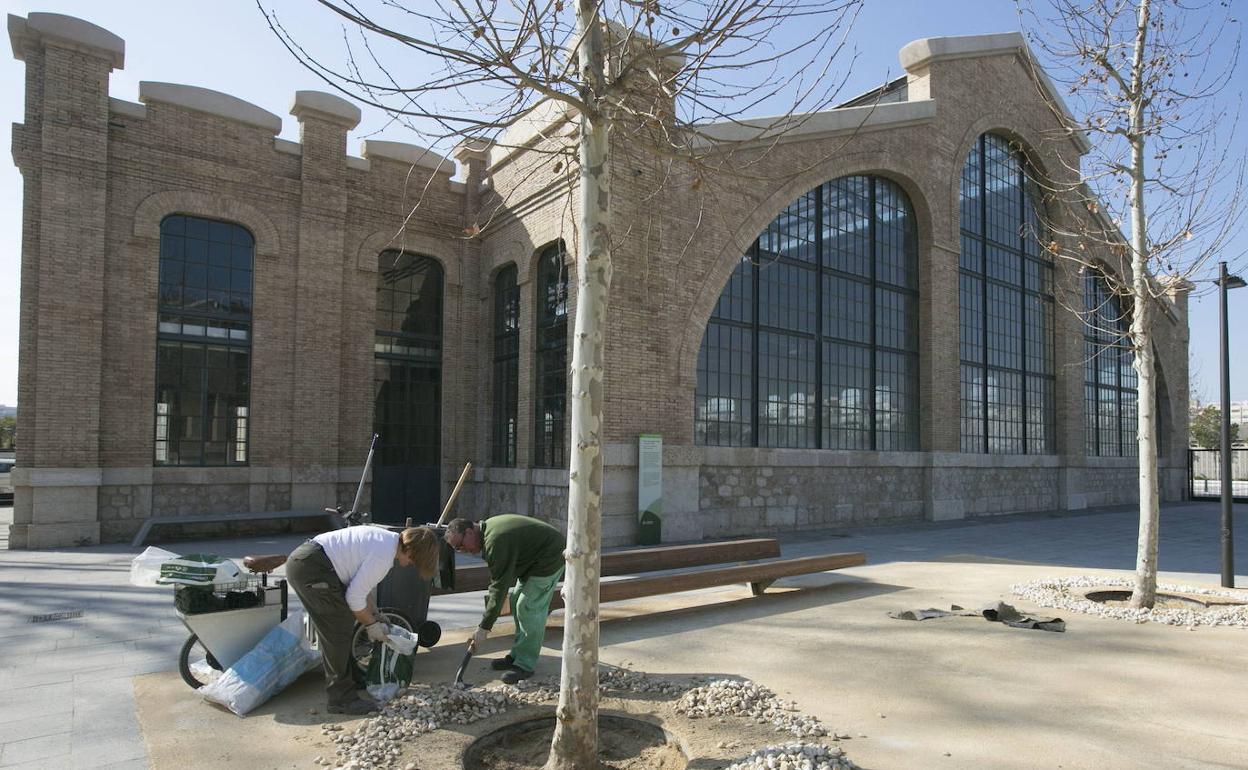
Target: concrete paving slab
point(43, 748)
point(32, 727)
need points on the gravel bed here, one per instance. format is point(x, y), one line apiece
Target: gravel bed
point(795, 756)
point(377, 743)
point(743, 698)
point(1068, 594)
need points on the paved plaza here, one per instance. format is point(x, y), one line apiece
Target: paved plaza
point(934, 691)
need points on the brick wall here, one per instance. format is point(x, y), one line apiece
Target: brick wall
point(100, 175)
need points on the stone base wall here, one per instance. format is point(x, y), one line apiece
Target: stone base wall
point(965, 492)
point(109, 505)
point(742, 500)
point(707, 492)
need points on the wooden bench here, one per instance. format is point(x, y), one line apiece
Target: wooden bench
point(477, 577)
point(762, 567)
point(335, 520)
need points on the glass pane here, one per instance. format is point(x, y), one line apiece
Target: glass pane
point(723, 409)
point(846, 396)
point(736, 302)
point(847, 309)
point(896, 320)
point(196, 385)
point(786, 391)
point(787, 296)
point(847, 225)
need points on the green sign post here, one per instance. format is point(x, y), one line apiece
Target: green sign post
point(650, 488)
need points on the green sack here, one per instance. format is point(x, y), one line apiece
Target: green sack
point(389, 671)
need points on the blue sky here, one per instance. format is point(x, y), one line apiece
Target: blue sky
point(226, 46)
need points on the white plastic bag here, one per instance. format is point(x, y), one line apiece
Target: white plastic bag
point(198, 569)
point(401, 640)
point(390, 668)
point(145, 568)
point(280, 658)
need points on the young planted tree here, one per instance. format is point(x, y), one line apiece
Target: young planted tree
point(661, 78)
point(1148, 80)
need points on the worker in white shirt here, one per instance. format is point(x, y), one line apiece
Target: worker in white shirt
point(334, 574)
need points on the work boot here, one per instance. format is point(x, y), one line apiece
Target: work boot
point(516, 675)
point(504, 663)
point(357, 707)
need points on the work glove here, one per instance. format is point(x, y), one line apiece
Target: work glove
point(377, 631)
point(478, 638)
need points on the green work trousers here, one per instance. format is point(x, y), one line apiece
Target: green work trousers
point(310, 572)
point(530, 605)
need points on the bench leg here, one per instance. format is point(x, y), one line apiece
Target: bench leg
point(757, 588)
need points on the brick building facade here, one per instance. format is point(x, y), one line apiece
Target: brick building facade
point(162, 236)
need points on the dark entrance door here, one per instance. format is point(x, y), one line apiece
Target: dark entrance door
point(407, 379)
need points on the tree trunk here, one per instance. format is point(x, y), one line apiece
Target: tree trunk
point(575, 743)
point(1144, 592)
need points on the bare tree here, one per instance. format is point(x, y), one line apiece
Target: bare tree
point(663, 78)
point(1148, 80)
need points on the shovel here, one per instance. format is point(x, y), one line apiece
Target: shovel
point(463, 665)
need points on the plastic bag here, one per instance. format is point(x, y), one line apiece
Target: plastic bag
point(145, 568)
point(390, 666)
point(204, 672)
point(198, 569)
point(401, 640)
point(280, 658)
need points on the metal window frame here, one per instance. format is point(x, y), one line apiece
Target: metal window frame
point(1019, 250)
point(503, 442)
point(405, 450)
point(543, 321)
point(1094, 286)
point(822, 268)
point(203, 342)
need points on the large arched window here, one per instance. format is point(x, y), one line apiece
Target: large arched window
point(550, 441)
point(814, 341)
point(1109, 378)
point(203, 342)
point(1006, 299)
point(407, 382)
point(506, 367)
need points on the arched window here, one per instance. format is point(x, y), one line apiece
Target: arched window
point(1006, 299)
point(814, 341)
point(506, 367)
point(1109, 378)
point(550, 402)
point(407, 380)
point(203, 342)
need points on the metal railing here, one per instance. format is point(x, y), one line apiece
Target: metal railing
point(1204, 472)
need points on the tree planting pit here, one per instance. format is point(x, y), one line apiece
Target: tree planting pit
point(623, 744)
point(1164, 601)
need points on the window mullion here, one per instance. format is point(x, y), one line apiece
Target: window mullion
point(983, 269)
point(871, 309)
point(757, 356)
point(819, 317)
point(1022, 294)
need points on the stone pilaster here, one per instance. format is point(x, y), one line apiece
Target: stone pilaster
point(62, 150)
point(321, 267)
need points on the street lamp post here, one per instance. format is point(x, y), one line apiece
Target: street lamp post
point(1226, 282)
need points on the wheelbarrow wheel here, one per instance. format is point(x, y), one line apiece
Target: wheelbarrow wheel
point(194, 652)
point(362, 647)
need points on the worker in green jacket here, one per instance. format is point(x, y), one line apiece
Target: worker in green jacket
point(526, 556)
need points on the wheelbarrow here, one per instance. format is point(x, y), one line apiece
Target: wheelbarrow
point(221, 635)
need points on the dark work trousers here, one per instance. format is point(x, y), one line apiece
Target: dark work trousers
point(310, 572)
